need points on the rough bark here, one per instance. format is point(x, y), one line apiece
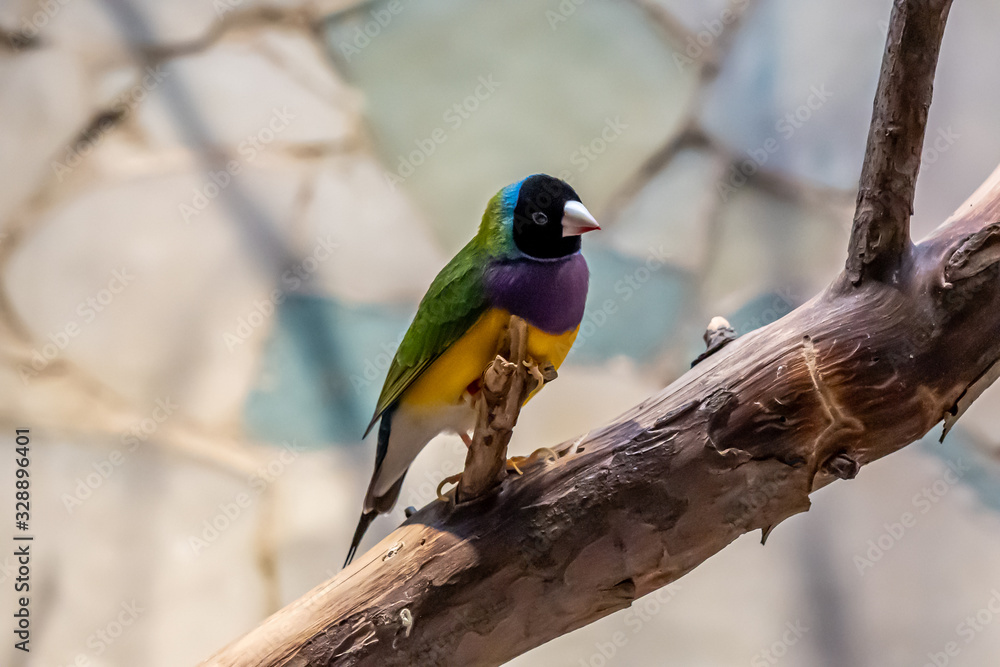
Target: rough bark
point(906, 337)
point(881, 231)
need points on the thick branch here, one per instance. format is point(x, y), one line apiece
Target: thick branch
point(881, 234)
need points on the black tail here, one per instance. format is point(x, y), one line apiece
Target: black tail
point(375, 505)
point(359, 532)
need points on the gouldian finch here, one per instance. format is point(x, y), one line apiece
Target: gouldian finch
point(525, 261)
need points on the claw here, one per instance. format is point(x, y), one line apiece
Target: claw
point(576, 445)
point(447, 480)
point(513, 462)
point(542, 374)
point(543, 451)
point(516, 462)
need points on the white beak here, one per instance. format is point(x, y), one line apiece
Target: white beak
point(577, 219)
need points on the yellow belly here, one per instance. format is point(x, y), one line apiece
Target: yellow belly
point(445, 380)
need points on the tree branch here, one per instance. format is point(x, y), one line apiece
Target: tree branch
point(737, 444)
point(505, 387)
point(881, 234)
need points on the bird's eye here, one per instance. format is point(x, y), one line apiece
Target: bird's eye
point(539, 218)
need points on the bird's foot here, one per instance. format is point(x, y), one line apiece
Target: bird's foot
point(516, 462)
point(576, 445)
point(542, 374)
point(447, 480)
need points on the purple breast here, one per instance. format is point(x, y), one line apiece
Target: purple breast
point(549, 295)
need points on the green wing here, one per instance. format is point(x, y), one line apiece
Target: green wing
point(453, 303)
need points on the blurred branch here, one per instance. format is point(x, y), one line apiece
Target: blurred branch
point(14, 40)
point(690, 49)
point(736, 444)
point(705, 61)
point(881, 233)
point(306, 18)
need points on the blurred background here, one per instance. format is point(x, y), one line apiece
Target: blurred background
point(217, 218)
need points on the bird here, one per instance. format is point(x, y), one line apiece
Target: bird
point(525, 260)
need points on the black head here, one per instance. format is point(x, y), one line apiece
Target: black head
point(546, 225)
